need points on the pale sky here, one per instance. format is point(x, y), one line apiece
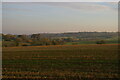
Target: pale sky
point(60, 0)
point(59, 17)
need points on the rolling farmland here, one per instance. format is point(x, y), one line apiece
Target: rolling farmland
point(61, 62)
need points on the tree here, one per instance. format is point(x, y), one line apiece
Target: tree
point(100, 42)
point(24, 38)
point(68, 39)
point(36, 36)
point(8, 37)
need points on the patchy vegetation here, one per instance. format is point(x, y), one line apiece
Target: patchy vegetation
point(60, 39)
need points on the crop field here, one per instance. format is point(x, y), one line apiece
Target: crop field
point(61, 62)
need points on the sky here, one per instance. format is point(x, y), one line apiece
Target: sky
point(0, 17)
point(60, 0)
point(58, 17)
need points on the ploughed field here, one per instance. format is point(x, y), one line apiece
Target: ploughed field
point(60, 62)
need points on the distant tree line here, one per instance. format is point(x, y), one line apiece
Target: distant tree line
point(9, 40)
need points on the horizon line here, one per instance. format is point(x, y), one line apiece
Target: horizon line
point(60, 32)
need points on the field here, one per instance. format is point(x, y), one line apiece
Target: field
point(107, 41)
point(61, 62)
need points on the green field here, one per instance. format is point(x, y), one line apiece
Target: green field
point(80, 42)
point(61, 62)
point(107, 41)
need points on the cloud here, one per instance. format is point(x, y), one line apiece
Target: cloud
point(15, 6)
point(81, 5)
point(16, 9)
